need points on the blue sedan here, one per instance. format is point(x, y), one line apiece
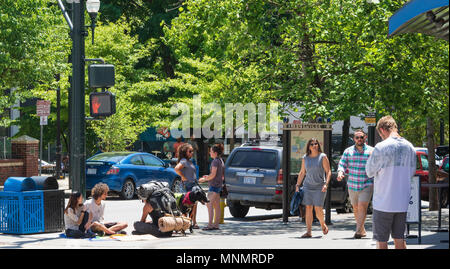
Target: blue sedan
point(123, 172)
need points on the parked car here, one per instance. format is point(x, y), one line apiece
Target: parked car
point(47, 168)
point(422, 170)
point(442, 150)
point(444, 166)
point(438, 158)
point(123, 172)
point(254, 178)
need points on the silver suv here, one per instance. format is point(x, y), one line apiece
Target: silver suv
point(254, 178)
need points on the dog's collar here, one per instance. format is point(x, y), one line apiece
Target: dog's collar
point(186, 199)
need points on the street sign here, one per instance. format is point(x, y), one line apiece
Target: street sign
point(370, 119)
point(43, 120)
point(43, 107)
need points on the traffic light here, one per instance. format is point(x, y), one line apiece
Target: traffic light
point(102, 104)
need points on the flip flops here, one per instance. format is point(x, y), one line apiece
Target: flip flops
point(210, 229)
point(306, 235)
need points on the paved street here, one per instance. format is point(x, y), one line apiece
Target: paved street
point(261, 229)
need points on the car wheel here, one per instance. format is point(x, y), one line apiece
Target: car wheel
point(128, 190)
point(347, 207)
point(177, 185)
point(237, 210)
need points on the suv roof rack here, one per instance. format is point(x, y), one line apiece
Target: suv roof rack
point(262, 142)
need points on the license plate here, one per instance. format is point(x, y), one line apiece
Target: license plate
point(92, 171)
point(249, 180)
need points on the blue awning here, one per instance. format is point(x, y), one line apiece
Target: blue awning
point(421, 16)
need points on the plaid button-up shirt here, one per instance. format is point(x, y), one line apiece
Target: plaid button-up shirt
point(354, 162)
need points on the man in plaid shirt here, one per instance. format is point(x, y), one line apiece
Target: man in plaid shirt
point(360, 187)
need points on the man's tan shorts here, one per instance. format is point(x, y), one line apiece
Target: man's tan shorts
point(364, 195)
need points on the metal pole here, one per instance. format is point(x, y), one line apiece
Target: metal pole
point(327, 149)
point(40, 151)
point(77, 159)
point(285, 164)
point(58, 132)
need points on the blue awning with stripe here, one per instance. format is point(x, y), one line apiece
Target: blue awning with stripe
point(421, 16)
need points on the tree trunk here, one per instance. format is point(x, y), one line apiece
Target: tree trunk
point(345, 134)
point(433, 197)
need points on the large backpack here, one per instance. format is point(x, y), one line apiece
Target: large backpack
point(160, 197)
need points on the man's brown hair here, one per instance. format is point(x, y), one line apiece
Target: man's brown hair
point(387, 123)
point(98, 190)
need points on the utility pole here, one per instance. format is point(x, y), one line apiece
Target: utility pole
point(77, 157)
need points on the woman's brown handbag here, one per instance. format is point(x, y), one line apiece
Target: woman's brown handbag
point(224, 191)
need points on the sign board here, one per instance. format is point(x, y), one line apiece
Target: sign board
point(370, 119)
point(43, 120)
point(43, 108)
point(295, 139)
point(413, 214)
point(308, 126)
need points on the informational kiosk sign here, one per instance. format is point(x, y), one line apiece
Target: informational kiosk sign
point(414, 216)
point(295, 139)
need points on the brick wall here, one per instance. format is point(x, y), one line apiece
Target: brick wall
point(25, 154)
point(10, 168)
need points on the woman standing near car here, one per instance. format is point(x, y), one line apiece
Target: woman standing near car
point(215, 182)
point(315, 175)
point(186, 170)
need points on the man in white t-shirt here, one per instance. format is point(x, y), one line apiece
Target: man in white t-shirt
point(97, 209)
point(392, 164)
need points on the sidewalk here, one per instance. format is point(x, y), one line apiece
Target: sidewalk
point(261, 229)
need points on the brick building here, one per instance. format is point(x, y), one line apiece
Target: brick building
point(24, 159)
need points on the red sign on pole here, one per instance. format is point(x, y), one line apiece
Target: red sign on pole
point(43, 107)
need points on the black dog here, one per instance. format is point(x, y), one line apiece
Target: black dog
point(187, 201)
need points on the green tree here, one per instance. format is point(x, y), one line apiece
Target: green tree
point(33, 48)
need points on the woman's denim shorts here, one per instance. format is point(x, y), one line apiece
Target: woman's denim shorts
point(215, 189)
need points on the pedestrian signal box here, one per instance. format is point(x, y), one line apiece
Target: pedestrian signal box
point(102, 104)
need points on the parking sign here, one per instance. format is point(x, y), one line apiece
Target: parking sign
point(43, 107)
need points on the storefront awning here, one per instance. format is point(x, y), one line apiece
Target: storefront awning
point(429, 17)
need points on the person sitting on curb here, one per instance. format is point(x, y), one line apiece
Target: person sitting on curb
point(96, 208)
point(76, 219)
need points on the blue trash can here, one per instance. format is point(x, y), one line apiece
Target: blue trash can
point(21, 212)
point(45, 183)
point(19, 184)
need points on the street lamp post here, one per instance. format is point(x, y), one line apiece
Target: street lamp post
point(77, 122)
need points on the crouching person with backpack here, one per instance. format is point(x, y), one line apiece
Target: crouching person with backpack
point(150, 227)
point(161, 205)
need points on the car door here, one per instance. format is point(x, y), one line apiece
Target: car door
point(138, 169)
point(154, 168)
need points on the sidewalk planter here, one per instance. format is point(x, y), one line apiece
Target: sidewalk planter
point(45, 183)
point(53, 211)
point(21, 212)
point(19, 184)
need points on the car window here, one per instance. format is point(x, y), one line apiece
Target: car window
point(445, 165)
point(151, 161)
point(255, 158)
point(418, 163)
point(424, 162)
point(109, 157)
point(136, 160)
